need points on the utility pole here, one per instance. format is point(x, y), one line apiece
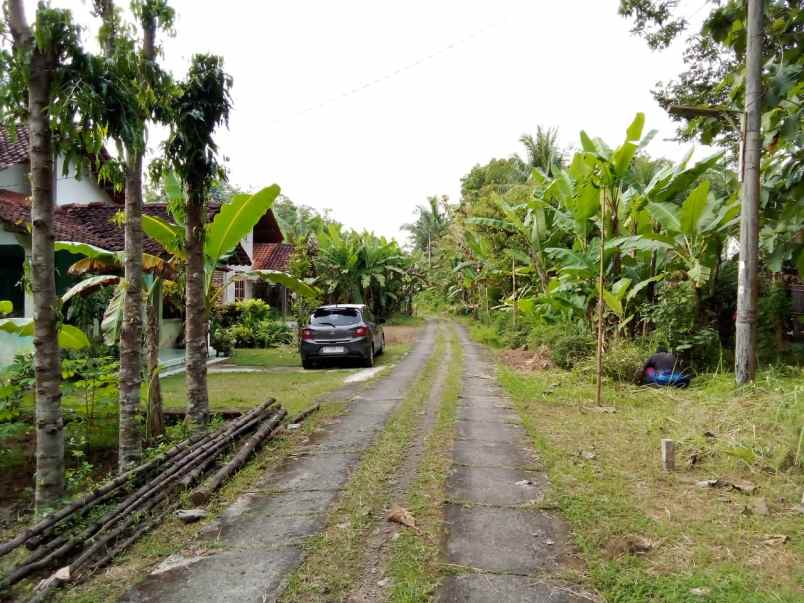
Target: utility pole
point(747, 275)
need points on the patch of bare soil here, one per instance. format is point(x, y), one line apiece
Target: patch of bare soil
point(528, 360)
point(400, 334)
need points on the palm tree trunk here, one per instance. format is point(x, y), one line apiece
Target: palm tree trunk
point(47, 362)
point(196, 314)
point(130, 439)
point(156, 419)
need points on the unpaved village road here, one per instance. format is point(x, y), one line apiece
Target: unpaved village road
point(498, 547)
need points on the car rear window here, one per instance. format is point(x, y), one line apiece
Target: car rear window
point(337, 317)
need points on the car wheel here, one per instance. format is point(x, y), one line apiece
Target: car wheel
point(368, 362)
point(307, 364)
point(382, 347)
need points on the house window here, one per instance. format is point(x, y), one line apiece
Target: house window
point(240, 290)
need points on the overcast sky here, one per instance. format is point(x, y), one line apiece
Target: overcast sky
point(367, 107)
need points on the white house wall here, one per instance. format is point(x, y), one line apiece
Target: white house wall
point(71, 190)
point(15, 178)
point(8, 238)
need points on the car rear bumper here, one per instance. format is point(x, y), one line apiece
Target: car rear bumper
point(360, 348)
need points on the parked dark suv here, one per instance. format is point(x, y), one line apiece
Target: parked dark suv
point(341, 331)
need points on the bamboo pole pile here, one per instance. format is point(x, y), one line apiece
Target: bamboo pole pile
point(88, 533)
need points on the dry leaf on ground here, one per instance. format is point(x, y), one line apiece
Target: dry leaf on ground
point(744, 487)
point(401, 515)
point(776, 539)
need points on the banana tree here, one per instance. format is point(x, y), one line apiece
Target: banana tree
point(621, 294)
point(69, 337)
point(110, 264)
point(235, 220)
point(608, 170)
point(532, 222)
point(694, 233)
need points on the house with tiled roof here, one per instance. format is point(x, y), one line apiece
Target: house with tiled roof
point(89, 211)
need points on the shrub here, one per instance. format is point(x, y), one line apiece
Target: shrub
point(272, 333)
point(624, 359)
point(224, 316)
point(677, 327)
point(253, 311)
point(15, 380)
point(570, 348)
point(569, 343)
point(264, 334)
point(774, 306)
point(242, 336)
point(223, 341)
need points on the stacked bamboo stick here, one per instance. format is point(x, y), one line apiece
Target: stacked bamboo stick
point(79, 541)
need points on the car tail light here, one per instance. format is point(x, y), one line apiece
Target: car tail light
point(361, 331)
point(307, 335)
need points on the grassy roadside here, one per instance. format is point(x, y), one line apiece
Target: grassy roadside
point(414, 565)
point(295, 389)
point(647, 535)
point(334, 558)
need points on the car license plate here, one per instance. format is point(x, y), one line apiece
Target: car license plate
point(333, 349)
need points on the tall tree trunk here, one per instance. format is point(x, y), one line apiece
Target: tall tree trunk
point(130, 439)
point(196, 313)
point(747, 276)
point(47, 362)
point(156, 420)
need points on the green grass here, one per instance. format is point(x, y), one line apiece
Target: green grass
point(242, 391)
point(285, 356)
point(335, 557)
point(415, 558)
point(702, 537)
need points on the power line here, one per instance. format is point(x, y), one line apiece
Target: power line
point(389, 75)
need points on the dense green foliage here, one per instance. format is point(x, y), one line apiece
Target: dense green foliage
point(708, 98)
point(523, 253)
point(250, 323)
point(347, 266)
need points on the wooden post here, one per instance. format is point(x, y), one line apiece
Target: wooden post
point(668, 455)
point(747, 275)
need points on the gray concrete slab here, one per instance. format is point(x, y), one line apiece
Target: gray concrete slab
point(501, 539)
point(246, 576)
point(325, 471)
point(491, 588)
point(495, 486)
point(481, 413)
point(253, 529)
point(490, 432)
point(490, 454)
